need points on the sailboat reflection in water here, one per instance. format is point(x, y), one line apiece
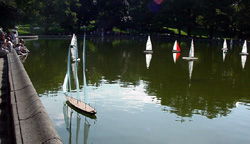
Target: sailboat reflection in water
point(224, 53)
point(243, 60)
point(148, 59)
point(176, 56)
point(73, 119)
point(190, 68)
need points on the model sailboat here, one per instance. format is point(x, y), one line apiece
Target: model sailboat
point(244, 49)
point(148, 46)
point(225, 46)
point(77, 102)
point(191, 53)
point(176, 47)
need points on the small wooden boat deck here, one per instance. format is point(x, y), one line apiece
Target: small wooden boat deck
point(81, 105)
point(190, 58)
point(148, 51)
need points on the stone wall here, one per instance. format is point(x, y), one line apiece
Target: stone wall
point(32, 124)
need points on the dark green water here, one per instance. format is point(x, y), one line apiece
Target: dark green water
point(162, 104)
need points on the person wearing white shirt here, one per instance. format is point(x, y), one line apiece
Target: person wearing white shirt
point(14, 36)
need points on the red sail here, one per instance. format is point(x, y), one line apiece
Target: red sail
point(178, 48)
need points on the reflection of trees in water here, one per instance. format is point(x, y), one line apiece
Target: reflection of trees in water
point(115, 60)
point(46, 65)
point(213, 91)
point(186, 101)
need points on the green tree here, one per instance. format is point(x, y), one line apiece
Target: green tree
point(9, 13)
point(71, 19)
point(242, 16)
point(50, 13)
point(141, 16)
point(111, 13)
point(215, 15)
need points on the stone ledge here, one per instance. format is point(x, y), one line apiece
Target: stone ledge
point(30, 119)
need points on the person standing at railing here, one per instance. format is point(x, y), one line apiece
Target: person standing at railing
point(9, 44)
point(14, 36)
point(16, 30)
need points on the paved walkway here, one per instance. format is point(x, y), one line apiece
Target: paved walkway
point(5, 115)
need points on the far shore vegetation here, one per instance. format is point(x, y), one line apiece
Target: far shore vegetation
point(180, 18)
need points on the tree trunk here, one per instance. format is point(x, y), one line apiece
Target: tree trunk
point(211, 31)
point(46, 30)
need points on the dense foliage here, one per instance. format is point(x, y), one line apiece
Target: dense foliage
point(208, 17)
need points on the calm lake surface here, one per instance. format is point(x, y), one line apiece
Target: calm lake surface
point(202, 102)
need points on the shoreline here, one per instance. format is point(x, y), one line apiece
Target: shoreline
point(168, 38)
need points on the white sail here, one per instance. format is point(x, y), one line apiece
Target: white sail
point(244, 48)
point(74, 53)
point(149, 44)
point(224, 45)
point(191, 52)
point(75, 76)
point(73, 39)
point(74, 69)
point(243, 61)
point(175, 45)
point(190, 68)
point(67, 79)
point(74, 48)
point(86, 98)
point(65, 83)
point(148, 59)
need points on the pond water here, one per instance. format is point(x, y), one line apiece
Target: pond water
point(205, 101)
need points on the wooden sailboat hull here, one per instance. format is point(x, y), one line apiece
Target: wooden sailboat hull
point(190, 58)
point(148, 51)
point(244, 53)
point(81, 105)
point(176, 51)
point(91, 116)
